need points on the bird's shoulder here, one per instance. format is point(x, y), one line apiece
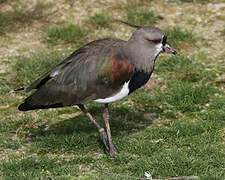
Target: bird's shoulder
point(117, 68)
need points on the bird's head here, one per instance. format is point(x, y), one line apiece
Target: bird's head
point(151, 37)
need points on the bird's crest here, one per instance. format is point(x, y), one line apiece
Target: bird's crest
point(131, 25)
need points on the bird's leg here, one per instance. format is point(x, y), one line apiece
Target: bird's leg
point(100, 129)
point(112, 148)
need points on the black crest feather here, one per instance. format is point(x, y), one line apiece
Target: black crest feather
point(131, 25)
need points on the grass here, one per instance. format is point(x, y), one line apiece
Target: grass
point(137, 13)
point(177, 37)
point(172, 128)
point(185, 68)
point(141, 17)
point(16, 18)
point(30, 68)
point(181, 131)
point(223, 31)
point(99, 20)
point(31, 166)
point(187, 97)
point(190, 89)
point(69, 33)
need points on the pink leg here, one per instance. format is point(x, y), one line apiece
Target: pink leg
point(107, 140)
point(112, 148)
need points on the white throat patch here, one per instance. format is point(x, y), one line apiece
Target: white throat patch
point(159, 49)
point(121, 94)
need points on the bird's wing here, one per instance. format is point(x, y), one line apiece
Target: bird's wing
point(59, 68)
point(98, 71)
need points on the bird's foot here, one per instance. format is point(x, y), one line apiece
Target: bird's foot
point(115, 148)
point(104, 138)
point(113, 155)
point(112, 151)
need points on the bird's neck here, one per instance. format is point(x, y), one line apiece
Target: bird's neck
point(141, 56)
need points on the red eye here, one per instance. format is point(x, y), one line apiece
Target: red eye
point(156, 41)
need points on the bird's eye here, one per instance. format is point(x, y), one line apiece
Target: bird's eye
point(157, 41)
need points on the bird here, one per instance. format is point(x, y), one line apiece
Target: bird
point(102, 71)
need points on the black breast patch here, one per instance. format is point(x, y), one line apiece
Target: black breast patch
point(139, 79)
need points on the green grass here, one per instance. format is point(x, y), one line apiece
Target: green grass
point(30, 168)
point(184, 68)
point(141, 17)
point(99, 20)
point(186, 96)
point(181, 135)
point(177, 37)
point(188, 83)
point(223, 31)
point(136, 12)
point(69, 33)
point(31, 67)
point(167, 133)
point(16, 18)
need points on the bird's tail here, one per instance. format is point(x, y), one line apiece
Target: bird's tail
point(27, 107)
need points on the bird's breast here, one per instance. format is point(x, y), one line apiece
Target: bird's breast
point(138, 79)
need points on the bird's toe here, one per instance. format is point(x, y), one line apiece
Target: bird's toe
point(112, 151)
point(105, 139)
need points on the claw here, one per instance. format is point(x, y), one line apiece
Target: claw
point(105, 139)
point(106, 143)
point(113, 155)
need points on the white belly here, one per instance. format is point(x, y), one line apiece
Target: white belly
point(121, 94)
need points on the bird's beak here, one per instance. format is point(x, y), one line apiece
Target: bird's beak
point(168, 49)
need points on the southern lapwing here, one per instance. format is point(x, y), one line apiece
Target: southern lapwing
point(102, 71)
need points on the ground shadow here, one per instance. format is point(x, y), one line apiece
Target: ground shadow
point(121, 120)
point(79, 134)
